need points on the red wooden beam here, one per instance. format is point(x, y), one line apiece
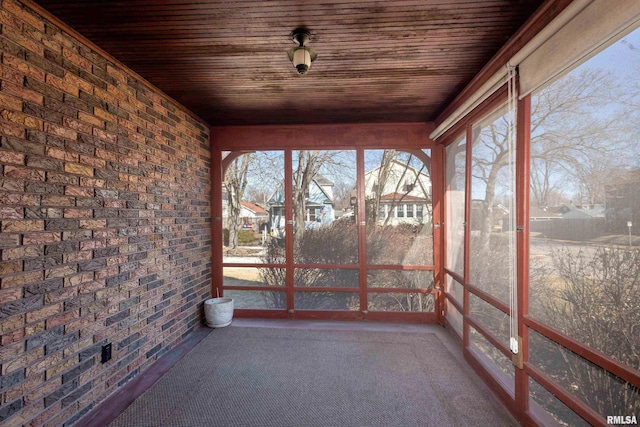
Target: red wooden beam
point(401, 267)
point(361, 226)
point(454, 302)
point(455, 276)
point(523, 139)
point(489, 337)
point(288, 227)
point(437, 200)
point(576, 405)
point(325, 136)
point(488, 298)
point(467, 235)
point(216, 221)
point(599, 359)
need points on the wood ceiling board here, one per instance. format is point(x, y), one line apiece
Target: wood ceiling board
point(399, 61)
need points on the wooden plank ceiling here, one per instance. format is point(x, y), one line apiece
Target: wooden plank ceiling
point(378, 61)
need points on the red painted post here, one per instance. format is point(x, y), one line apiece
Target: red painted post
point(437, 200)
point(523, 139)
point(467, 236)
point(288, 229)
point(361, 227)
point(217, 275)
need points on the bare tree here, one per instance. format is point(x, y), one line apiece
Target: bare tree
point(570, 135)
point(595, 302)
point(308, 166)
point(382, 177)
point(543, 187)
point(575, 134)
point(235, 184)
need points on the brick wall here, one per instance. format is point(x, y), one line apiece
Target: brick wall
point(104, 219)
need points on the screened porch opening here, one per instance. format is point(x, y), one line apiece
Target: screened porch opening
point(438, 224)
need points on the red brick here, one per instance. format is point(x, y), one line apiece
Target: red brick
point(10, 267)
point(95, 121)
point(11, 225)
point(77, 213)
point(127, 124)
point(92, 182)
point(63, 84)
point(11, 294)
point(12, 129)
point(16, 172)
point(76, 125)
point(106, 96)
point(78, 169)
point(8, 74)
point(11, 337)
point(20, 279)
point(21, 92)
point(39, 393)
point(8, 19)
point(10, 102)
point(71, 190)
point(92, 161)
point(90, 286)
point(77, 59)
point(51, 200)
point(60, 154)
point(76, 82)
point(40, 238)
point(44, 312)
point(77, 256)
point(8, 157)
point(21, 119)
point(78, 279)
point(93, 223)
point(106, 155)
point(11, 213)
point(26, 42)
point(62, 318)
point(21, 13)
point(99, 112)
point(60, 131)
point(116, 74)
point(22, 66)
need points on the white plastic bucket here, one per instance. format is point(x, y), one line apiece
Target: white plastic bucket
point(218, 312)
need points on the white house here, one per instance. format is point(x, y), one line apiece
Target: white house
point(405, 196)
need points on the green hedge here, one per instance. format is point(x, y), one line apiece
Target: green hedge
point(245, 237)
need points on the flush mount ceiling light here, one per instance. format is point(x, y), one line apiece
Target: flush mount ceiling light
point(301, 56)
